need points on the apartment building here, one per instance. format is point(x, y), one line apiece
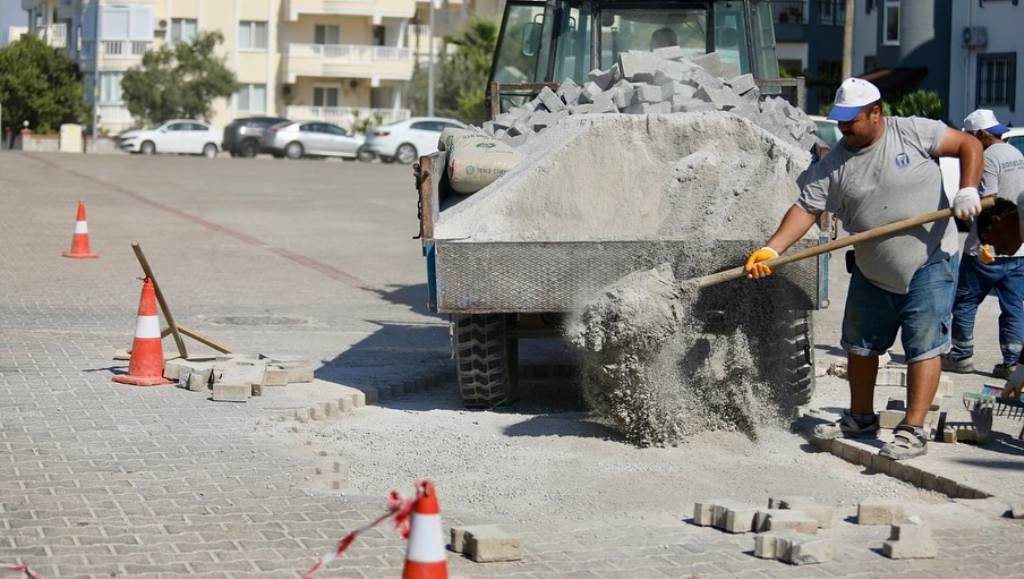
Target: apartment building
point(334, 60)
point(987, 58)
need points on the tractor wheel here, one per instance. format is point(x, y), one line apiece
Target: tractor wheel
point(486, 359)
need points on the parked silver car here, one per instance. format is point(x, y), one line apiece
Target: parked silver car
point(311, 139)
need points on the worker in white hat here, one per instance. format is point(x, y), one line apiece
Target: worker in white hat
point(884, 170)
point(981, 271)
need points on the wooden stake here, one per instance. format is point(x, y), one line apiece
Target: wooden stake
point(160, 298)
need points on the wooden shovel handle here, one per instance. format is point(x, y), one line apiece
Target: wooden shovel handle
point(897, 226)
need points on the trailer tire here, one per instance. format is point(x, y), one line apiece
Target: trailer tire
point(486, 359)
point(793, 361)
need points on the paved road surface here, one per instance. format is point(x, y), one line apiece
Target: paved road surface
point(293, 258)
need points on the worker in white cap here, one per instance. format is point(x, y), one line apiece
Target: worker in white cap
point(884, 170)
point(981, 271)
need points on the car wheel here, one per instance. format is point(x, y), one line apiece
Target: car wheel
point(278, 155)
point(387, 159)
point(250, 149)
point(365, 155)
point(294, 150)
point(406, 154)
point(147, 148)
point(210, 151)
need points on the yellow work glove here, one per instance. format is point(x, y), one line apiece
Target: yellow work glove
point(754, 268)
point(986, 255)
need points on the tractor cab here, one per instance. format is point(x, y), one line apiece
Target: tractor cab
point(546, 41)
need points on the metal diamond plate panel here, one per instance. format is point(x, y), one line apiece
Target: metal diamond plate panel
point(508, 277)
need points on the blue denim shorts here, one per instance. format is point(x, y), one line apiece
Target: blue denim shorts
point(923, 316)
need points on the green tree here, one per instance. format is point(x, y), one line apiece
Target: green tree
point(39, 84)
point(178, 82)
point(920, 103)
point(461, 74)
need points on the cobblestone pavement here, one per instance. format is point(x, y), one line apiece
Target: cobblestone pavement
point(313, 259)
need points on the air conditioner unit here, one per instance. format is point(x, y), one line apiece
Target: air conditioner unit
point(161, 24)
point(287, 89)
point(975, 36)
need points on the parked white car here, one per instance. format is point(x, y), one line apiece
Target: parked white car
point(406, 140)
point(311, 139)
point(1015, 136)
point(178, 136)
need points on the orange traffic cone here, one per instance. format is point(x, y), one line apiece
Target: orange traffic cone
point(425, 558)
point(146, 367)
point(80, 241)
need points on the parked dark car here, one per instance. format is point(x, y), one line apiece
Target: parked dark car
point(243, 136)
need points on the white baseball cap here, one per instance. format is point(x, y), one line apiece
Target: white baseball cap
point(984, 119)
point(853, 95)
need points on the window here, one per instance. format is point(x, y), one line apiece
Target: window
point(325, 97)
point(251, 98)
point(832, 12)
point(252, 35)
point(333, 130)
point(179, 127)
point(790, 11)
point(326, 34)
point(380, 36)
point(110, 87)
point(184, 30)
point(432, 126)
point(997, 79)
point(891, 22)
point(126, 23)
point(310, 128)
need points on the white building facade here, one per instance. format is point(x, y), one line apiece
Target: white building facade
point(987, 60)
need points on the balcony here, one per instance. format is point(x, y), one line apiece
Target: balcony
point(117, 48)
point(378, 8)
point(345, 116)
point(54, 35)
point(348, 61)
point(789, 11)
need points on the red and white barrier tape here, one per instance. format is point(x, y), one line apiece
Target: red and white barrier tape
point(23, 568)
point(398, 508)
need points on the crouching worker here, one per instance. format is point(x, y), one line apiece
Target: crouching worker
point(883, 170)
point(1002, 227)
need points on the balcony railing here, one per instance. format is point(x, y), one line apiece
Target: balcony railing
point(387, 8)
point(790, 11)
point(345, 116)
point(55, 35)
point(349, 60)
point(117, 48)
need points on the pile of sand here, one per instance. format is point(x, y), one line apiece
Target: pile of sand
point(629, 177)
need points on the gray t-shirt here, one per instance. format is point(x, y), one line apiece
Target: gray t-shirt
point(894, 178)
point(1004, 175)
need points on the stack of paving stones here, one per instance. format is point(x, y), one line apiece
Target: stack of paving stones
point(788, 529)
point(662, 81)
point(237, 377)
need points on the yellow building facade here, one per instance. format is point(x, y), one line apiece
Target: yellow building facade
point(333, 60)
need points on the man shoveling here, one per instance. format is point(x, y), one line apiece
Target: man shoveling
point(884, 170)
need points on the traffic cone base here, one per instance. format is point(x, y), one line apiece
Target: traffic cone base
point(146, 367)
point(80, 241)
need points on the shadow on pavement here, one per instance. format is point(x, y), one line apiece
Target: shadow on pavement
point(413, 296)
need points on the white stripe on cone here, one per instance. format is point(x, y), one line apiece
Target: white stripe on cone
point(81, 227)
point(426, 540)
point(147, 327)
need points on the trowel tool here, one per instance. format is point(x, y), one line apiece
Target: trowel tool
point(895, 227)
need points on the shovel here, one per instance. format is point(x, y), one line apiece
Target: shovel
point(895, 227)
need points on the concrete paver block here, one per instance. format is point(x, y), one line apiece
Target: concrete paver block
point(742, 83)
point(297, 370)
point(911, 538)
point(670, 52)
point(735, 517)
point(604, 79)
point(711, 62)
point(569, 91)
point(1017, 510)
point(275, 377)
point(604, 103)
point(487, 543)
point(550, 100)
point(226, 392)
point(768, 520)
point(770, 546)
point(704, 512)
point(638, 66)
point(890, 418)
point(240, 371)
point(879, 512)
point(824, 514)
point(811, 550)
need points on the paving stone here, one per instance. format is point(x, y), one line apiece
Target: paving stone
point(768, 520)
point(224, 392)
point(879, 512)
point(551, 101)
point(810, 550)
point(911, 538)
point(487, 543)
